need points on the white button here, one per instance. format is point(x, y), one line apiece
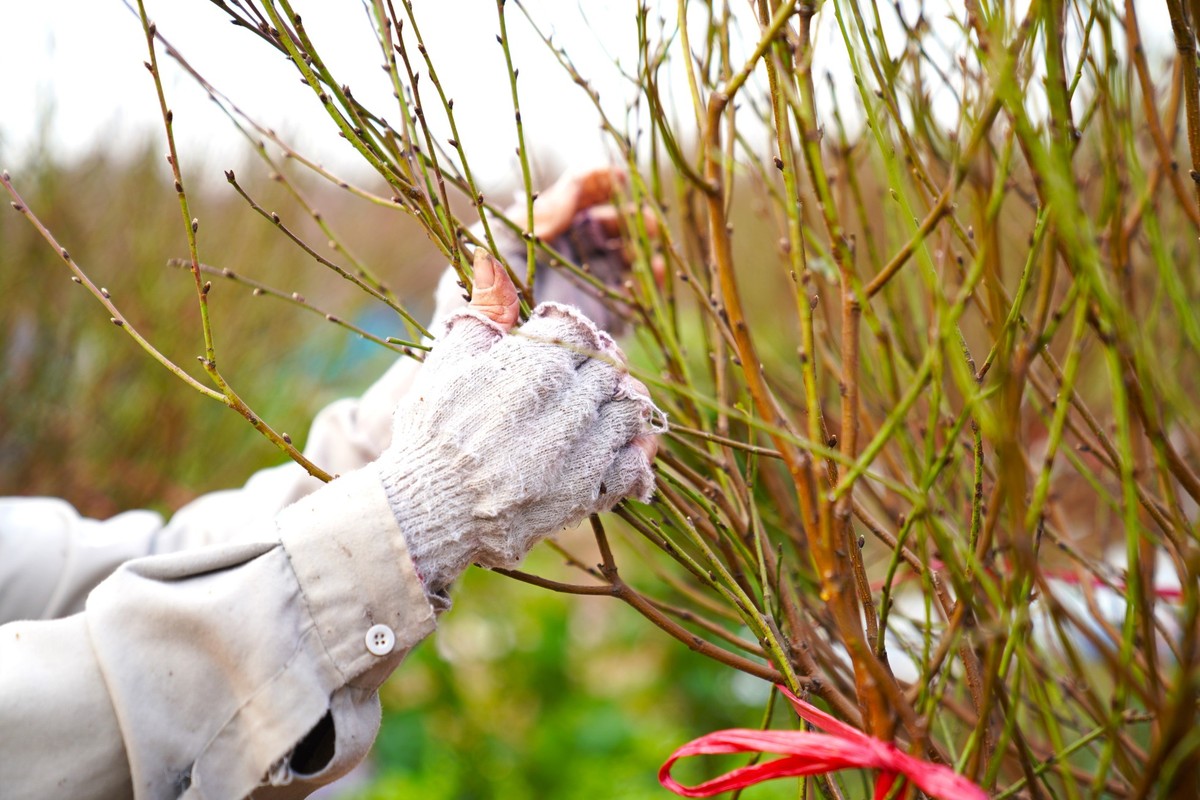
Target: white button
point(380, 640)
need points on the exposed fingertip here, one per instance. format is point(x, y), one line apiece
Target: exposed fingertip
point(636, 388)
point(485, 269)
point(648, 444)
point(494, 296)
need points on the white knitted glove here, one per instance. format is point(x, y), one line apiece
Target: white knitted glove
point(505, 439)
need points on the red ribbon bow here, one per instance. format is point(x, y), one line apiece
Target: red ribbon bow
point(810, 753)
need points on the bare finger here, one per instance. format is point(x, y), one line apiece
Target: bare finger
point(494, 295)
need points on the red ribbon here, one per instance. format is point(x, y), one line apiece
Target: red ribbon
point(810, 753)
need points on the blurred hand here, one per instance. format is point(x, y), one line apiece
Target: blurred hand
point(555, 209)
point(506, 439)
point(576, 217)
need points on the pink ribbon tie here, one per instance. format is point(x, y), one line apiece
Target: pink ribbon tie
point(811, 753)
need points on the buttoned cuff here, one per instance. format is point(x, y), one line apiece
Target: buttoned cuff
point(357, 578)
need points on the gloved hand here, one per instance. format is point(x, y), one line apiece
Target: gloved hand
point(505, 439)
point(577, 216)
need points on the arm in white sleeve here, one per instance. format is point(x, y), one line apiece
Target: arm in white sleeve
point(51, 558)
point(268, 685)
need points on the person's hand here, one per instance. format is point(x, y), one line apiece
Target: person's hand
point(576, 217)
point(591, 191)
point(505, 439)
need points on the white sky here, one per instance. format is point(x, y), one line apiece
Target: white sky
point(71, 76)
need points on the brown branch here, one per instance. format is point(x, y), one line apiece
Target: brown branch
point(1185, 45)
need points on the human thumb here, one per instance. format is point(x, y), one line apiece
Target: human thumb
point(494, 295)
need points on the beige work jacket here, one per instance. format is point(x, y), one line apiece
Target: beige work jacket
point(236, 650)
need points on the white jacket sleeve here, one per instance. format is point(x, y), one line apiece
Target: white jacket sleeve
point(265, 616)
point(51, 558)
point(278, 645)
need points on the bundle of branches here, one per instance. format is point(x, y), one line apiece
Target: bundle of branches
point(934, 452)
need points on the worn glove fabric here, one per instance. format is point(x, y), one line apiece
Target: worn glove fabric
point(505, 439)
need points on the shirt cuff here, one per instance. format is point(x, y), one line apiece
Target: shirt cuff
point(357, 578)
